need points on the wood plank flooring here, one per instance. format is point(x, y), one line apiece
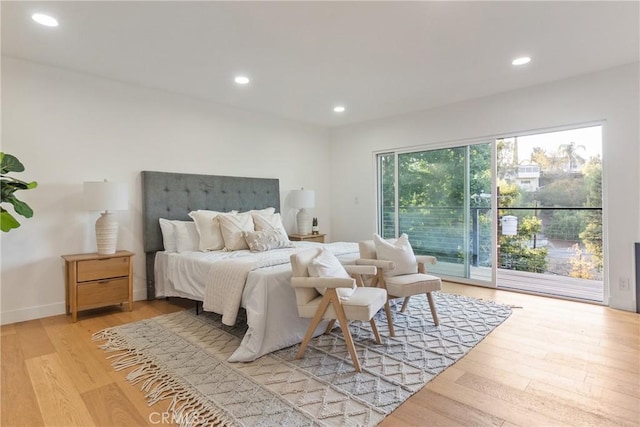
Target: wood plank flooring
point(553, 362)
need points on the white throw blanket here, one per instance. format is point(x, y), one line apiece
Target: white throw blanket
point(223, 293)
point(227, 278)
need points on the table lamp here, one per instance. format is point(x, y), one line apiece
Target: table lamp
point(303, 199)
point(106, 196)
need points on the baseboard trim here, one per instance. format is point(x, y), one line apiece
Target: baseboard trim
point(30, 313)
point(47, 310)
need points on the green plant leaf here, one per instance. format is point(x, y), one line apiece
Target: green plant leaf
point(20, 185)
point(7, 221)
point(10, 163)
point(8, 186)
point(7, 189)
point(21, 207)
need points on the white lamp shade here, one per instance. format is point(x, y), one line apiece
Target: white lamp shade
point(303, 199)
point(105, 196)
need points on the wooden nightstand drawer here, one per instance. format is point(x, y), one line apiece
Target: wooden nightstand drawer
point(104, 268)
point(104, 292)
point(94, 280)
point(319, 238)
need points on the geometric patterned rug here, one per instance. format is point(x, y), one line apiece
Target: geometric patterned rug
point(182, 358)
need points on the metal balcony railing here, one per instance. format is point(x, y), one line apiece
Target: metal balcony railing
point(440, 231)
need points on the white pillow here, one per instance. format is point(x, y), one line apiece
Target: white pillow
point(265, 211)
point(187, 238)
point(208, 229)
point(269, 222)
point(327, 265)
point(168, 235)
point(400, 252)
point(232, 226)
point(264, 240)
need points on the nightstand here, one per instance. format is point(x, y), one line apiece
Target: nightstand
point(94, 280)
point(307, 237)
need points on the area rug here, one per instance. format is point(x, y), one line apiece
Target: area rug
point(182, 358)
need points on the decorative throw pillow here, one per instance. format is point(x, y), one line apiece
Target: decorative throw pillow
point(269, 222)
point(168, 235)
point(264, 240)
point(187, 238)
point(327, 265)
point(398, 251)
point(232, 226)
point(208, 229)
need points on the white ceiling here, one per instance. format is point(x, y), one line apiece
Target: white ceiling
point(379, 59)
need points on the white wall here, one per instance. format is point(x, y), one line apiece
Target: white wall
point(611, 95)
point(68, 128)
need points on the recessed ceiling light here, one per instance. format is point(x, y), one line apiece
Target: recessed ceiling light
point(521, 61)
point(241, 80)
point(46, 20)
point(338, 109)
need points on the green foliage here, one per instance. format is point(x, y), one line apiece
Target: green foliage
point(433, 190)
point(528, 226)
point(509, 194)
point(431, 195)
point(592, 234)
point(592, 239)
point(581, 267)
point(515, 253)
point(522, 258)
point(8, 187)
point(593, 180)
point(564, 192)
point(566, 159)
point(565, 225)
point(569, 153)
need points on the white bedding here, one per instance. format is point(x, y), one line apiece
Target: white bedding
point(268, 298)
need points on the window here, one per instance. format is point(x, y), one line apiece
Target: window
point(442, 200)
point(549, 183)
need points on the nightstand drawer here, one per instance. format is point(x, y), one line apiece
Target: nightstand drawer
point(104, 268)
point(105, 292)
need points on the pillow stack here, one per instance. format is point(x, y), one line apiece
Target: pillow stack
point(210, 236)
point(257, 230)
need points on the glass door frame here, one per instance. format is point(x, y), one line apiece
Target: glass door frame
point(494, 228)
point(493, 140)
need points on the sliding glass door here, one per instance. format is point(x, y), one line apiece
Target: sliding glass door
point(442, 200)
point(550, 187)
point(545, 234)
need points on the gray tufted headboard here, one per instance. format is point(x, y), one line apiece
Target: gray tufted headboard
point(174, 195)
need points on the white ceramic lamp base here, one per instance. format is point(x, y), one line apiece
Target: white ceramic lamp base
point(106, 234)
point(304, 222)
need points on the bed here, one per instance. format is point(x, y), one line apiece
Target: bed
point(267, 297)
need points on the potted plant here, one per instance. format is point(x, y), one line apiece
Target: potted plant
point(9, 186)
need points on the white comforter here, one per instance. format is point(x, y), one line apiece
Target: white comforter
point(272, 316)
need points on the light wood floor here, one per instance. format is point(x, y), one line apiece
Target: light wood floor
point(552, 362)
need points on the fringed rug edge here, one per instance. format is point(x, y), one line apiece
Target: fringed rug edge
point(187, 408)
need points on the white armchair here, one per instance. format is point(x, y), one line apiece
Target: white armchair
point(404, 285)
point(361, 305)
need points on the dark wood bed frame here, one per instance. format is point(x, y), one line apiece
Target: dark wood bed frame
point(173, 195)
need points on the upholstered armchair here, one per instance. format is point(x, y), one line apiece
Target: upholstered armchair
point(401, 284)
point(339, 295)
